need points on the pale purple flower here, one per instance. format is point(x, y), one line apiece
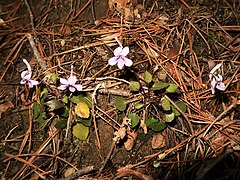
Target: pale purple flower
point(216, 80)
point(119, 58)
point(70, 83)
point(26, 76)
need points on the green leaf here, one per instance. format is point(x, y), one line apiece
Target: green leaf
point(36, 110)
point(175, 111)
point(159, 85)
point(144, 137)
point(147, 76)
point(80, 98)
point(168, 117)
point(44, 91)
point(172, 88)
point(134, 86)
point(54, 104)
point(134, 119)
point(120, 103)
point(65, 99)
point(80, 131)
point(53, 77)
point(156, 164)
point(62, 123)
point(161, 156)
point(158, 126)
point(139, 105)
point(149, 121)
point(166, 104)
point(181, 105)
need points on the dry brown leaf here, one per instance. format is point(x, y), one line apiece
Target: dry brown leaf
point(158, 141)
point(131, 139)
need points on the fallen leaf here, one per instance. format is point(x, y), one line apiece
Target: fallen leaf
point(131, 139)
point(158, 141)
point(82, 110)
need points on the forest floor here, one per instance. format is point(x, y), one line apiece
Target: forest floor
point(167, 109)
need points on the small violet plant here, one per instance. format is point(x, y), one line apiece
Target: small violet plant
point(216, 80)
point(119, 58)
point(26, 76)
point(70, 83)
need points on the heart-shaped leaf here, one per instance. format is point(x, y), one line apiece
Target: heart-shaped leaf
point(172, 88)
point(36, 110)
point(82, 110)
point(168, 117)
point(134, 86)
point(134, 119)
point(159, 86)
point(158, 126)
point(147, 76)
point(62, 123)
point(120, 103)
point(139, 105)
point(80, 131)
point(165, 104)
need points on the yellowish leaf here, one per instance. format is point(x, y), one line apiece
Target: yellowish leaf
point(82, 110)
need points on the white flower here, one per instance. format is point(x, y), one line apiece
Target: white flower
point(216, 80)
point(26, 76)
point(119, 58)
point(70, 83)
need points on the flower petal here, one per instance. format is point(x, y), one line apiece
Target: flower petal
point(213, 90)
point(221, 86)
point(120, 63)
point(124, 51)
point(33, 82)
point(26, 75)
point(128, 62)
point(215, 68)
point(63, 87)
point(219, 77)
point(78, 87)
point(23, 81)
point(117, 51)
point(112, 61)
point(72, 80)
point(63, 81)
point(72, 89)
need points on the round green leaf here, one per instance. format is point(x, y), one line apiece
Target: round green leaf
point(181, 105)
point(172, 88)
point(150, 121)
point(159, 86)
point(134, 86)
point(134, 119)
point(147, 76)
point(161, 156)
point(158, 126)
point(165, 104)
point(80, 131)
point(176, 112)
point(139, 105)
point(120, 103)
point(156, 164)
point(80, 98)
point(168, 117)
point(61, 124)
